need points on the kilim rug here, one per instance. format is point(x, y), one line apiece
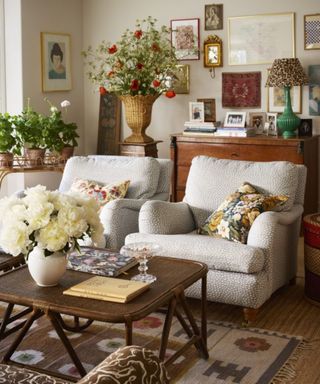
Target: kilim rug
point(237, 355)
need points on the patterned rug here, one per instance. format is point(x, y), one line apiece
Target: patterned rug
point(237, 355)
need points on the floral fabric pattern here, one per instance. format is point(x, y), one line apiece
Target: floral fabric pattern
point(101, 193)
point(235, 215)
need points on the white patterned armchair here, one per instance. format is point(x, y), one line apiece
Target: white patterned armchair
point(240, 274)
point(149, 179)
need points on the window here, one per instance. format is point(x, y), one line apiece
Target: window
point(2, 60)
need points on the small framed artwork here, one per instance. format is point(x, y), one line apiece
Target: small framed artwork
point(314, 100)
point(213, 16)
point(209, 109)
point(257, 120)
point(196, 111)
point(241, 90)
point(276, 99)
point(305, 127)
point(271, 124)
point(312, 31)
point(185, 37)
point(180, 79)
point(56, 62)
point(235, 119)
point(212, 52)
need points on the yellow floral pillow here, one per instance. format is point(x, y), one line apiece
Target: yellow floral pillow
point(235, 215)
point(102, 193)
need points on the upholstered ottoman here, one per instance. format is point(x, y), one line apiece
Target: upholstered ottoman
point(133, 364)
point(311, 224)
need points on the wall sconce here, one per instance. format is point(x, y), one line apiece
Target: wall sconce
point(212, 54)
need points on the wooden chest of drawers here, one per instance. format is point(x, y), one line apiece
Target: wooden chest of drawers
point(300, 150)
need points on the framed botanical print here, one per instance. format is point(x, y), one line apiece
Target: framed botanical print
point(213, 17)
point(56, 62)
point(209, 109)
point(276, 99)
point(185, 37)
point(212, 52)
point(312, 31)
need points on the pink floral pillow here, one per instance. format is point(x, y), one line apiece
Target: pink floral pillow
point(102, 193)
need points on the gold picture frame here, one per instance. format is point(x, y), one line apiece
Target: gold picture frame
point(56, 61)
point(259, 39)
point(212, 52)
point(180, 81)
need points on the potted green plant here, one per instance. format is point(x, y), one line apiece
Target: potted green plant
point(9, 144)
point(29, 128)
point(60, 136)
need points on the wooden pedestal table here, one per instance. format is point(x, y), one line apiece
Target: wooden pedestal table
point(139, 149)
point(174, 276)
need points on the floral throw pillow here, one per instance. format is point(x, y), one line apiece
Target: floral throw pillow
point(102, 193)
point(235, 215)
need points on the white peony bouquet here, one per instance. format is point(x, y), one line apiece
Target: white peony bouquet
point(49, 220)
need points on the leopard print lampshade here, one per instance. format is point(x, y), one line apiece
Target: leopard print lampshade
point(286, 73)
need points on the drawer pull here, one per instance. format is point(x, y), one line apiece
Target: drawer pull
point(234, 155)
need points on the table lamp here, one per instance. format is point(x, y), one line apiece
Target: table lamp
point(287, 73)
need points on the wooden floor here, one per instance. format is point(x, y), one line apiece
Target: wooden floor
point(289, 312)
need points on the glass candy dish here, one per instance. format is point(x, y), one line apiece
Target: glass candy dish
point(142, 251)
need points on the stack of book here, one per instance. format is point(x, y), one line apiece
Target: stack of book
point(235, 131)
point(199, 128)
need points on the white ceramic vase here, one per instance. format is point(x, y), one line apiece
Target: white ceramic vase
point(46, 271)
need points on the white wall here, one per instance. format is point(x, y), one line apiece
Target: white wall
point(107, 19)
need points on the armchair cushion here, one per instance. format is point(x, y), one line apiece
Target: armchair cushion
point(235, 215)
point(101, 193)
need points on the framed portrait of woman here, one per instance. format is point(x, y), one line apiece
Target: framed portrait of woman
point(56, 62)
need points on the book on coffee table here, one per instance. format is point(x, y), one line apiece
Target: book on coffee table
point(100, 261)
point(108, 289)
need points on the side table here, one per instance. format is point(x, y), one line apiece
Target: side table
point(311, 225)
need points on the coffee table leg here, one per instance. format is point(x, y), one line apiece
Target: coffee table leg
point(204, 311)
point(55, 322)
point(166, 328)
point(128, 325)
point(34, 316)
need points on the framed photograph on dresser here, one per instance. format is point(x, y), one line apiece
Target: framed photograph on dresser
point(209, 109)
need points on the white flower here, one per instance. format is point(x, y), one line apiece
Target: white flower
point(14, 238)
point(50, 220)
point(65, 103)
point(53, 109)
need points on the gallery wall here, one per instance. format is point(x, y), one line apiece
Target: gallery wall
point(107, 19)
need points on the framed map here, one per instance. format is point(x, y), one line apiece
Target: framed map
point(259, 39)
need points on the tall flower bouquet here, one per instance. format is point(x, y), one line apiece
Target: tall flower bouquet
point(48, 220)
point(140, 63)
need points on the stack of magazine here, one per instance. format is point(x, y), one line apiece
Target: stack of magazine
point(236, 131)
point(199, 128)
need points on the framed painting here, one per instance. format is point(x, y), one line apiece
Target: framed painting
point(259, 39)
point(56, 62)
point(241, 89)
point(185, 37)
point(276, 99)
point(180, 79)
point(213, 17)
point(209, 109)
point(314, 100)
point(257, 120)
point(305, 127)
point(196, 111)
point(109, 125)
point(312, 31)
point(235, 119)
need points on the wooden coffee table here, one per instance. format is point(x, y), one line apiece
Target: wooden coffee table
point(173, 277)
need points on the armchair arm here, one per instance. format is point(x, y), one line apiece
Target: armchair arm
point(119, 218)
point(128, 364)
point(162, 217)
